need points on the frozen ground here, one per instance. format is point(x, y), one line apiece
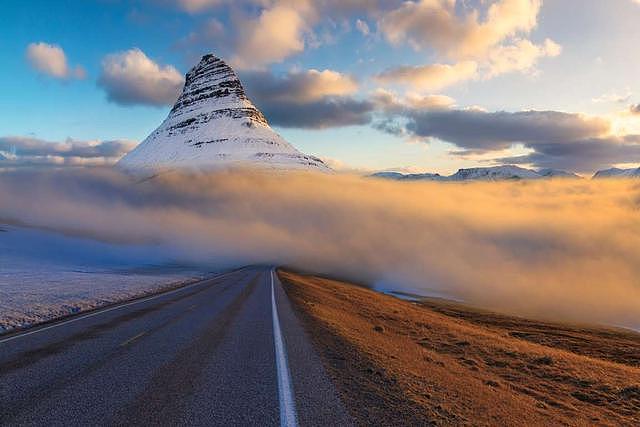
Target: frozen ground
point(45, 275)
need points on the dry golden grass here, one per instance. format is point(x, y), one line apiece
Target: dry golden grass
point(401, 363)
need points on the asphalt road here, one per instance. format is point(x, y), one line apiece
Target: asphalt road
point(224, 351)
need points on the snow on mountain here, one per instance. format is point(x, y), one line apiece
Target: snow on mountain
point(494, 173)
point(213, 124)
point(556, 173)
point(618, 173)
point(408, 177)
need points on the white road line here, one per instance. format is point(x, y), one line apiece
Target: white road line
point(288, 416)
point(132, 339)
point(118, 307)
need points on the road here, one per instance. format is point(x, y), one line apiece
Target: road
point(224, 351)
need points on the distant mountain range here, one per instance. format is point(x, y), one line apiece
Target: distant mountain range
point(618, 173)
point(494, 173)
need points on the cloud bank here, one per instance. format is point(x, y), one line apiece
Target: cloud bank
point(16, 151)
point(309, 99)
point(561, 249)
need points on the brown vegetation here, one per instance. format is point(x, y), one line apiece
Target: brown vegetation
point(434, 362)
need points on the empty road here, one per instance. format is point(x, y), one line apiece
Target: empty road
point(224, 351)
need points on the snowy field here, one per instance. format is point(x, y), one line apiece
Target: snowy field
point(46, 275)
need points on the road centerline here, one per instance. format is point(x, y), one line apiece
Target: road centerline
point(288, 417)
point(132, 339)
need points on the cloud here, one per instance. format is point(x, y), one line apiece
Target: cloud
point(437, 24)
point(194, 6)
point(27, 151)
point(363, 27)
point(51, 60)
point(429, 77)
point(613, 97)
point(207, 33)
point(522, 55)
point(300, 86)
point(487, 131)
point(583, 155)
point(557, 139)
point(390, 103)
point(131, 78)
point(635, 109)
point(484, 39)
point(277, 33)
point(308, 99)
point(560, 249)
point(320, 114)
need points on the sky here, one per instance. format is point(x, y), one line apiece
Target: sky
point(422, 86)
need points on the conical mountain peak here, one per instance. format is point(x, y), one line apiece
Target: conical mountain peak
point(213, 124)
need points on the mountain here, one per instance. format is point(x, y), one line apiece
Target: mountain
point(213, 124)
point(618, 173)
point(556, 173)
point(494, 173)
point(408, 177)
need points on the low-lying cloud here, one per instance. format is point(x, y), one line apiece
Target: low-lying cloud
point(562, 249)
point(27, 151)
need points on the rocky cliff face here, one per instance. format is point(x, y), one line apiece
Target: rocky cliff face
point(213, 124)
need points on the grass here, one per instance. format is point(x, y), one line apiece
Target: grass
point(439, 363)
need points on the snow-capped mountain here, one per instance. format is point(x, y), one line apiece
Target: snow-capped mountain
point(618, 173)
point(556, 173)
point(213, 124)
point(494, 173)
point(409, 177)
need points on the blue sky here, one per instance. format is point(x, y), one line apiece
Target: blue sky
point(443, 84)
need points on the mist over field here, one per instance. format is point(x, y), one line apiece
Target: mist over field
point(566, 249)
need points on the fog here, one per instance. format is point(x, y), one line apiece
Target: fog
point(565, 249)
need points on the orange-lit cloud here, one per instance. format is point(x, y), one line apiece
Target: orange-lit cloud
point(563, 249)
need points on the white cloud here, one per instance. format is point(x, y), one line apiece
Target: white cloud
point(363, 27)
point(131, 78)
point(429, 102)
point(390, 102)
point(521, 56)
point(429, 77)
point(436, 24)
point(613, 97)
point(274, 35)
point(51, 60)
